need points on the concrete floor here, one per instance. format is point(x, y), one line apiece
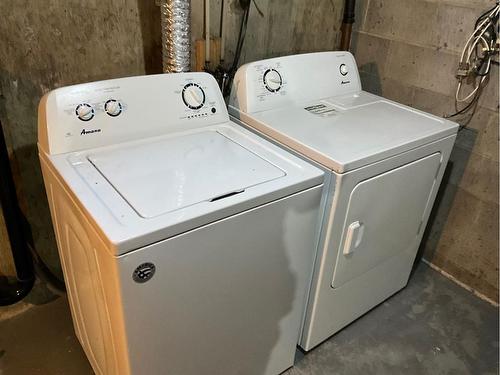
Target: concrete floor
point(431, 327)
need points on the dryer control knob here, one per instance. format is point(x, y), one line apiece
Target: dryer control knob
point(113, 107)
point(84, 112)
point(272, 80)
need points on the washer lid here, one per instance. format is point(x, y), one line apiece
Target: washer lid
point(164, 176)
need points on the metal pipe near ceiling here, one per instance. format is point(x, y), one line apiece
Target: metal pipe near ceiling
point(176, 35)
point(347, 21)
point(13, 292)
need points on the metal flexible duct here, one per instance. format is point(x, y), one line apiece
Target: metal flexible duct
point(176, 35)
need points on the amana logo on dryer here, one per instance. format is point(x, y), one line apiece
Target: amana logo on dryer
point(84, 132)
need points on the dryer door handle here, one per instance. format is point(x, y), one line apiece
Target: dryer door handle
point(353, 237)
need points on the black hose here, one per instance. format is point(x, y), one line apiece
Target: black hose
point(347, 21)
point(13, 292)
point(349, 8)
point(227, 78)
point(241, 39)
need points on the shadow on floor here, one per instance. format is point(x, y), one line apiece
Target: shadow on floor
point(433, 326)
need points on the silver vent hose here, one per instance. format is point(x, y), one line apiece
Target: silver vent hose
point(176, 35)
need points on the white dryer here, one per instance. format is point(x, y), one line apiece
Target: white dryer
point(385, 162)
point(184, 238)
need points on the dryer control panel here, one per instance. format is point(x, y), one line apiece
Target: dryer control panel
point(108, 112)
point(273, 83)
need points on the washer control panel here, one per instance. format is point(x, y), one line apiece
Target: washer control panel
point(107, 112)
point(197, 100)
point(87, 111)
point(272, 83)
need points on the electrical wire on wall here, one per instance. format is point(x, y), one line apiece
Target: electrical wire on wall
point(225, 76)
point(475, 64)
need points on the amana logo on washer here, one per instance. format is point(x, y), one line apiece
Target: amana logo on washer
point(144, 272)
point(85, 132)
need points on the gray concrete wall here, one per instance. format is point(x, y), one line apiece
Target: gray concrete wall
point(52, 43)
point(285, 26)
point(408, 50)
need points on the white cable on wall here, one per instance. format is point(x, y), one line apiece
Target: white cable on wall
point(477, 53)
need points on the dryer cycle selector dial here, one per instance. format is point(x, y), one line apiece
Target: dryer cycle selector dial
point(84, 112)
point(343, 69)
point(193, 96)
point(272, 80)
point(113, 107)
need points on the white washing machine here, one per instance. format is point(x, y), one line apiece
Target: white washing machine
point(385, 162)
point(184, 238)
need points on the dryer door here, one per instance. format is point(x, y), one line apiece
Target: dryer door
point(385, 217)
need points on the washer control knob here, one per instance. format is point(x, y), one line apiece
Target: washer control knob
point(193, 96)
point(343, 69)
point(84, 112)
point(113, 107)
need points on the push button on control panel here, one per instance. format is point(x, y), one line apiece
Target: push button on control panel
point(85, 112)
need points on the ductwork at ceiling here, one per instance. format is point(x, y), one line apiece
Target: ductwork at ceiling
point(176, 35)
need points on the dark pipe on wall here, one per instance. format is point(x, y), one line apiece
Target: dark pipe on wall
point(347, 21)
point(13, 292)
